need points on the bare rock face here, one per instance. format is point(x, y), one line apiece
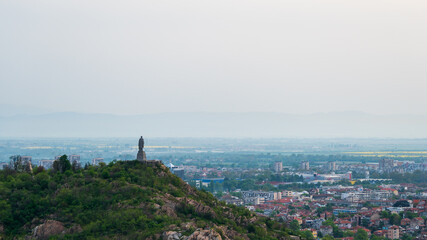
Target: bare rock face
point(188, 226)
point(171, 235)
point(200, 208)
point(74, 229)
point(47, 229)
point(228, 234)
point(168, 210)
point(201, 234)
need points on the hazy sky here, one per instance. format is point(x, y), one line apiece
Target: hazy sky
point(133, 57)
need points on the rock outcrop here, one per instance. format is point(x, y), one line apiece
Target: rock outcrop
point(201, 234)
point(74, 229)
point(51, 228)
point(171, 235)
point(47, 229)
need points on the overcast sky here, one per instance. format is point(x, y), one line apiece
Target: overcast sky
point(134, 57)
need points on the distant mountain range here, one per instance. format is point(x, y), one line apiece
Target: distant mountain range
point(11, 110)
point(230, 125)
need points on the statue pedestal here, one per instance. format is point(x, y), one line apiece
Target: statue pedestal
point(141, 156)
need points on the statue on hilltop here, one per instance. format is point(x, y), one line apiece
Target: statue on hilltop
point(141, 154)
point(141, 143)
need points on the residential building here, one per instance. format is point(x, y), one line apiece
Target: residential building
point(46, 163)
point(26, 158)
point(386, 165)
point(3, 165)
point(305, 165)
point(97, 161)
point(178, 171)
point(73, 158)
point(332, 166)
point(393, 232)
point(278, 166)
point(249, 196)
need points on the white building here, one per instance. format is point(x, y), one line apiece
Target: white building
point(73, 158)
point(97, 161)
point(278, 166)
point(305, 166)
point(253, 197)
point(3, 165)
point(46, 163)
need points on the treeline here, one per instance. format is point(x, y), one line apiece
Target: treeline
point(19, 164)
point(259, 160)
point(252, 181)
point(417, 177)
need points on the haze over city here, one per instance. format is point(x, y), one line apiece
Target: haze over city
point(144, 57)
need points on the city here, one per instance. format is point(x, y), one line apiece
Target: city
point(213, 120)
point(322, 197)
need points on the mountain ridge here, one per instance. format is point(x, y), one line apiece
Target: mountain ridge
point(205, 124)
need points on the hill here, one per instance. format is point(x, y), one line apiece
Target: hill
point(121, 200)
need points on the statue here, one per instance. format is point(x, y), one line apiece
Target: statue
point(141, 144)
point(141, 154)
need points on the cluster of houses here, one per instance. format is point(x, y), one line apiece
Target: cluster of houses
point(389, 211)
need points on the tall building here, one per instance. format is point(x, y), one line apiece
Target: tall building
point(393, 232)
point(178, 171)
point(386, 165)
point(3, 165)
point(96, 161)
point(305, 165)
point(332, 166)
point(46, 163)
point(73, 158)
point(26, 158)
point(278, 166)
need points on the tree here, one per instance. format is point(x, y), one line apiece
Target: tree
point(361, 235)
point(365, 222)
point(19, 165)
point(16, 163)
point(75, 166)
point(294, 225)
point(375, 237)
point(329, 207)
point(338, 233)
point(307, 235)
point(328, 237)
point(395, 219)
point(385, 214)
point(410, 215)
point(5, 212)
point(406, 237)
point(62, 164)
point(348, 233)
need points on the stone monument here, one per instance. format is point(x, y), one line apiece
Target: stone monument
point(141, 154)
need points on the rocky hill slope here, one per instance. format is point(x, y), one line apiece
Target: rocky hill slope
point(121, 200)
